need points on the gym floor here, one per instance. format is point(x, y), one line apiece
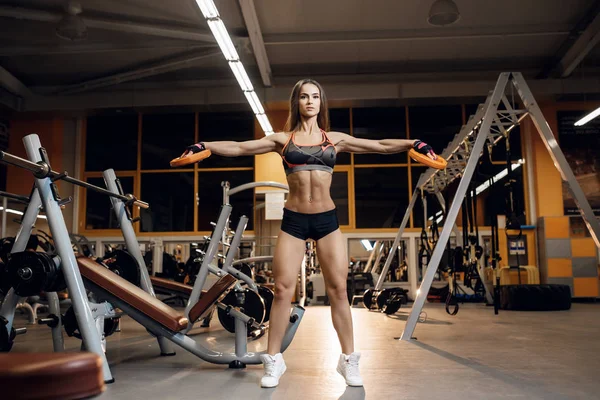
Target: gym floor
point(476, 354)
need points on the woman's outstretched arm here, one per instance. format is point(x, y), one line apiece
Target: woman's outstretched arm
point(237, 149)
point(350, 144)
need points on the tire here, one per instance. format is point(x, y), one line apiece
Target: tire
point(535, 297)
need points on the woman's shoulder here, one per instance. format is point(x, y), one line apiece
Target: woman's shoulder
point(279, 137)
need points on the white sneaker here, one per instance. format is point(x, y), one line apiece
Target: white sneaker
point(274, 369)
point(348, 368)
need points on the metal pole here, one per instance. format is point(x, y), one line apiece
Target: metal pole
point(388, 260)
point(4, 205)
point(213, 246)
point(57, 335)
point(560, 162)
point(77, 292)
point(453, 213)
point(302, 300)
point(133, 247)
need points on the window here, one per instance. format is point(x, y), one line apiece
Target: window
point(339, 120)
point(381, 196)
point(171, 198)
point(164, 137)
point(210, 198)
point(435, 125)
point(495, 198)
point(433, 205)
point(379, 123)
point(98, 211)
point(111, 142)
point(235, 126)
point(339, 194)
point(499, 150)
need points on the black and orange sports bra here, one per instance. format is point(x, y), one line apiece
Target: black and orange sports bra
point(311, 157)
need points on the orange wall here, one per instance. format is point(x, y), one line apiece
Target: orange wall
point(546, 180)
point(51, 135)
point(268, 167)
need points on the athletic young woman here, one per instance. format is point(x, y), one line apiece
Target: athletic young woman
point(308, 152)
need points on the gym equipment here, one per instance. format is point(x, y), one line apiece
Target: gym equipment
point(489, 124)
point(248, 301)
point(191, 159)
point(388, 300)
point(69, 321)
point(123, 264)
point(268, 296)
point(30, 273)
point(8, 334)
point(166, 322)
point(51, 376)
point(439, 163)
point(46, 195)
point(535, 297)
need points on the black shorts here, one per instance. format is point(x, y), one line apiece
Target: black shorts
point(309, 226)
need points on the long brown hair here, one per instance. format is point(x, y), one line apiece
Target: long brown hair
point(293, 121)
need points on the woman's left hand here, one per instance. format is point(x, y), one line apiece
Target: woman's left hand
point(425, 149)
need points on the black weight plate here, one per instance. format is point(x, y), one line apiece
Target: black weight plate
point(393, 304)
point(368, 298)
point(253, 307)
point(6, 342)
point(245, 269)
point(123, 264)
point(267, 296)
point(69, 322)
point(29, 273)
point(57, 283)
point(382, 298)
point(4, 281)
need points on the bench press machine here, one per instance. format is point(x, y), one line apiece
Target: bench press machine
point(191, 293)
point(160, 319)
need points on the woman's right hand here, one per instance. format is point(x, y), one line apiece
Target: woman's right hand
point(193, 149)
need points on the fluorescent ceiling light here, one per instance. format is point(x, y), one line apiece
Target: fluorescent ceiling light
point(588, 117)
point(223, 39)
point(217, 27)
point(241, 75)
point(368, 246)
point(264, 124)
point(257, 108)
point(17, 212)
point(208, 8)
point(497, 177)
point(436, 214)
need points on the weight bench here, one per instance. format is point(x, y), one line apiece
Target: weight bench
point(149, 305)
point(164, 321)
point(172, 288)
point(49, 376)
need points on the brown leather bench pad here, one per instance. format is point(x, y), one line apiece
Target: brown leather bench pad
point(49, 376)
point(212, 296)
point(171, 286)
point(132, 295)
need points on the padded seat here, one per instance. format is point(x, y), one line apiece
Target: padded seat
point(171, 286)
point(49, 376)
point(213, 295)
point(132, 295)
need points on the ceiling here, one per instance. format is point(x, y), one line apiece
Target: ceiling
point(161, 53)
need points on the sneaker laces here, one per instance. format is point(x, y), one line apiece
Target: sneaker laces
point(270, 367)
point(352, 366)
